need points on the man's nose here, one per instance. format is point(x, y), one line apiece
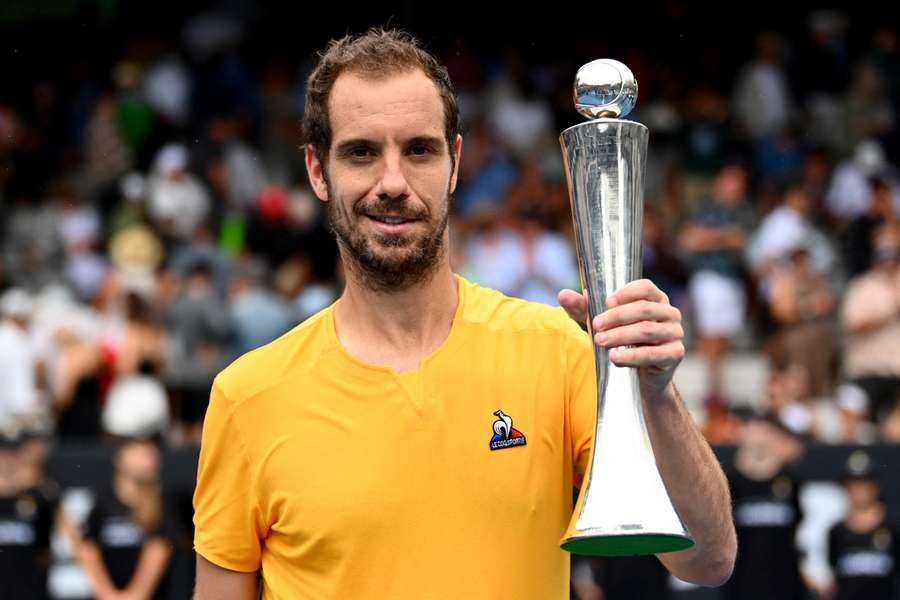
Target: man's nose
point(393, 183)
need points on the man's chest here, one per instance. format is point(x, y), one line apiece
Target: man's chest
point(415, 451)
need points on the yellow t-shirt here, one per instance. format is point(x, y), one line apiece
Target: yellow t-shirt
point(340, 479)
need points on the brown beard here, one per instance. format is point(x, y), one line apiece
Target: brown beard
point(376, 271)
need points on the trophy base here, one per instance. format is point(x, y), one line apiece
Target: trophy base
point(639, 544)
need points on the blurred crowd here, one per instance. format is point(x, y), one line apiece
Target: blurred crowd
point(157, 223)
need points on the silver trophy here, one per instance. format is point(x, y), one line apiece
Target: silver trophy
point(623, 507)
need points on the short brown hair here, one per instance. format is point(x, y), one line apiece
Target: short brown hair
point(376, 54)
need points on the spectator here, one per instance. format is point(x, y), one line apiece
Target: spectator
point(858, 248)
point(762, 100)
point(141, 345)
point(126, 548)
point(178, 202)
point(787, 227)
point(20, 399)
point(26, 512)
point(765, 492)
point(871, 320)
point(549, 261)
point(713, 239)
point(800, 303)
point(201, 328)
point(849, 193)
point(258, 316)
point(864, 549)
point(868, 111)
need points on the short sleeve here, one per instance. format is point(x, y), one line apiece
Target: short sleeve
point(227, 525)
point(581, 397)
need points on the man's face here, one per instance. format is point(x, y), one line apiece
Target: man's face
point(861, 492)
point(388, 177)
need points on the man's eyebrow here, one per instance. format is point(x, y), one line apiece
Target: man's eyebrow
point(348, 145)
point(427, 140)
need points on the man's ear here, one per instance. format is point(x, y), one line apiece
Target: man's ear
point(457, 152)
point(316, 173)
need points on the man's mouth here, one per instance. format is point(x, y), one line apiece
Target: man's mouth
point(390, 220)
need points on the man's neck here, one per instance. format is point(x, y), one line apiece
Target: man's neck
point(397, 329)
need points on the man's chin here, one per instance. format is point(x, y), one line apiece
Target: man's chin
point(392, 242)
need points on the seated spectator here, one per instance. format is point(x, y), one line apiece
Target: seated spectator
point(785, 228)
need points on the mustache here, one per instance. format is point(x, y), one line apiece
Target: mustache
point(390, 208)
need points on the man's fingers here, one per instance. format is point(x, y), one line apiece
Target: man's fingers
point(575, 305)
point(634, 312)
point(662, 356)
point(642, 289)
point(644, 332)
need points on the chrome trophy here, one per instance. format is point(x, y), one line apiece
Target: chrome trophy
point(623, 507)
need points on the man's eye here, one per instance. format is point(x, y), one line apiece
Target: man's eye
point(360, 152)
point(419, 150)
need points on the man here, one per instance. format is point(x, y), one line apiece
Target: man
point(765, 492)
point(19, 395)
point(26, 518)
point(714, 239)
point(871, 318)
point(863, 549)
point(420, 437)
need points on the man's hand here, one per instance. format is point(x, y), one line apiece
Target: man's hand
point(640, 328)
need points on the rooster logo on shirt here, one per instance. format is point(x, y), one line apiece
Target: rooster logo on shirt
point(505, 435)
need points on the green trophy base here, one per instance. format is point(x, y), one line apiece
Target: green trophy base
point(627, 545)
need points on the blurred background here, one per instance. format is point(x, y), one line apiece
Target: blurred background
point(156, 222)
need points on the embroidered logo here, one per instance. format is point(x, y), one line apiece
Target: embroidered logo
point(505, 435)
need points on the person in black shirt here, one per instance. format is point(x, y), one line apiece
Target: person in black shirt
point(26, 518)
point(620, 578)
point(126, 549)
point(863, 550)
point(766, 513)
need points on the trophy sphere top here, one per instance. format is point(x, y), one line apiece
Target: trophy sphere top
point(605, 88)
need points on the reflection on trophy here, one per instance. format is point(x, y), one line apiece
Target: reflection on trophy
point(623, 508)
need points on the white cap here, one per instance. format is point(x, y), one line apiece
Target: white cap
point(137, 407)
point(869, 157)
point(16, 303)
point(171, 158)
point(852, 398)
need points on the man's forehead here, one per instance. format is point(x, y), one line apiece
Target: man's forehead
point(407, 101)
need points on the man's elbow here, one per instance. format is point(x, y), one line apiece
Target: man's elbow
point(718, 570)
point(710, 570)
point(718, 573)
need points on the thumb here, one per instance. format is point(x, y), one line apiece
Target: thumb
point(575, 305)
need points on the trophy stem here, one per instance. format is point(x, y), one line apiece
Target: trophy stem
point(623, 507)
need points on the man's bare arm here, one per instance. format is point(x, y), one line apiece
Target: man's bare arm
point(216, 583)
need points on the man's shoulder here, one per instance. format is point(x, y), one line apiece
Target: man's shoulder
point(270, 364)
point(494, 310)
